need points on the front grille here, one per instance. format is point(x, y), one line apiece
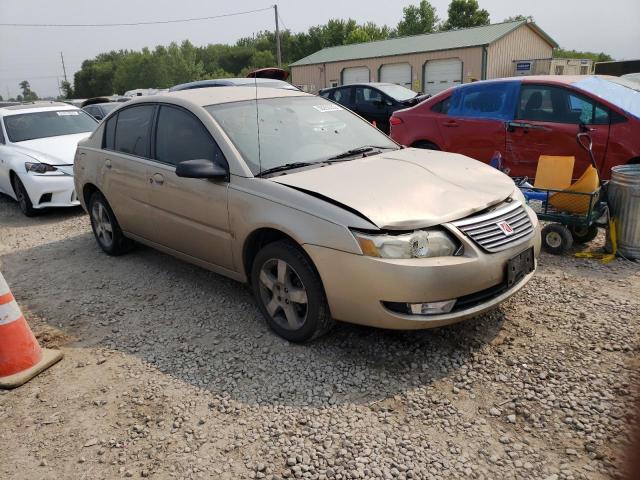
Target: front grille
point(484, 228)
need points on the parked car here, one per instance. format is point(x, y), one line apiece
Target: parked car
point(374, 102)
point(525, 118)
point(100, 110)
point(37, 146)
point(633, 77)
point(321, 213)
point(234, 82)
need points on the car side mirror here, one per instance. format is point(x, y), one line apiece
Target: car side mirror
point(201, 169)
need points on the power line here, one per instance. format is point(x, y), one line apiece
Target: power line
point(183, 20)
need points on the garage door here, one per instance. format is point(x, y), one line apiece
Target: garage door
point(398, 73)
point(442, 74)
point(355, 75)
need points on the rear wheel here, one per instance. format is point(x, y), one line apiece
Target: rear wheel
point(23, 197)
point(106, 228)
point(426, 145)
point(583, 234)
point(289, 292)
point(556, 239)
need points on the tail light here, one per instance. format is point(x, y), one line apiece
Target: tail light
point(395, 121)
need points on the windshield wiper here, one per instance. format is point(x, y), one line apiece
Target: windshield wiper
point(357, 151)
point(286, 166)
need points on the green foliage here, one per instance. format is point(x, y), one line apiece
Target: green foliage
point(28, 95)
point(465, 14)
point(417, 19)
point(518, 18)
point(596, 57)
point(67, 90)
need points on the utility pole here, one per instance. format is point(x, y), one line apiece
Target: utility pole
point(63, 69)
point(278, 52)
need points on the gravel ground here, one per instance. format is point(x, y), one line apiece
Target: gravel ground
point(169, 372)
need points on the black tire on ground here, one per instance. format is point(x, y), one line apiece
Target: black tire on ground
point(289, 292)
point(583, 234)
point(556, 239)
point(425, 145)
point(106, 228)
point(22, 197)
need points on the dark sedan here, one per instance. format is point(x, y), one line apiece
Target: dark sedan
point(374, 102)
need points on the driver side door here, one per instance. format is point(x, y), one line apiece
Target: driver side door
point(373, 105)
point(190, 215)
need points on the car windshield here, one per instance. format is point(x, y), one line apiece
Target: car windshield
point(293, 130)
point(397, 92)
point(620, 92)
point(29, 126)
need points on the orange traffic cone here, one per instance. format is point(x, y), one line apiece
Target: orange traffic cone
point(21, 358)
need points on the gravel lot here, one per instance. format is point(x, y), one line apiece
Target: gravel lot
point(169, 372)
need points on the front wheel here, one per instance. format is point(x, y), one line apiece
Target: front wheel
point(556, 239)
point(289, 292)
point(23, 197)
point(106, 228)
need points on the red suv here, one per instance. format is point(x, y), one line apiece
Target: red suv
point(523, 118)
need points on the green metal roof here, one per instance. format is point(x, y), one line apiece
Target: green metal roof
point(467, 37)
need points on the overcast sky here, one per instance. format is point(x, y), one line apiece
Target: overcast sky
point(34, 53)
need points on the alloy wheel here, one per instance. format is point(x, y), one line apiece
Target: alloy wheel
point(102, 224)
point(283, 294)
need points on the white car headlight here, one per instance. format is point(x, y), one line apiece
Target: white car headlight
point(41, 168)
point(418, 244)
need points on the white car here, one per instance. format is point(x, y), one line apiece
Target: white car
point(37, 147)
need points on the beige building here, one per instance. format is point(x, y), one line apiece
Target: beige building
point(426, 63)
point(552, 66)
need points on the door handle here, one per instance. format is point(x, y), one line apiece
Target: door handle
point(158, 179)
point(451, 124)
point(107, 163)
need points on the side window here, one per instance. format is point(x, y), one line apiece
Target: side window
point(133, 130)
point(546, 103)
point(109, 139)
point(494, 100)
point(341, 95)
point(325, 94)
point(181, 136)
point(442, 106)
point(367, 96)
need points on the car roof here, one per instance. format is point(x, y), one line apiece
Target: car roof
point(362, 84)
point(214, 95)
point(215, 82)
point(35, 107)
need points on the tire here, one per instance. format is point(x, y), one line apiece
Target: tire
point(289, 292)
point(556, 239)
point(106, 228)
point(425, 145)
point(22, 197)
point(583, 234)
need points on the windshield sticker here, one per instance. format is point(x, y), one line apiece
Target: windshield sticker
point(68, 112)
point(327, 108)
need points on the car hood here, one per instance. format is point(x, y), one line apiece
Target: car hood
point(405, 189)
point(60, 150)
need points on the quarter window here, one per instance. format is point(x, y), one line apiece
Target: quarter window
point(181, 136)
point(133, 129)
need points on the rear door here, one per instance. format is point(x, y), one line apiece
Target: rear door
point(475, 120)
point(547, 121)
point(190, 215)
point(125, 161)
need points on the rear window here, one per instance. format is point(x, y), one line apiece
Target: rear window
point(133, 130)
point(30, 126)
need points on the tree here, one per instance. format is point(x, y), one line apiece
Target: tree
point(27, 94)
point(465, 14)
point(417, 19)
point(519, 18)
point(67, 90)
point(596, 57)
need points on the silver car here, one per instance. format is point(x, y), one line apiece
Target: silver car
point(325, 216)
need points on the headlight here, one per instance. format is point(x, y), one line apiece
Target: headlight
point(39, 167)
point(418, 244)
point(518, 195)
